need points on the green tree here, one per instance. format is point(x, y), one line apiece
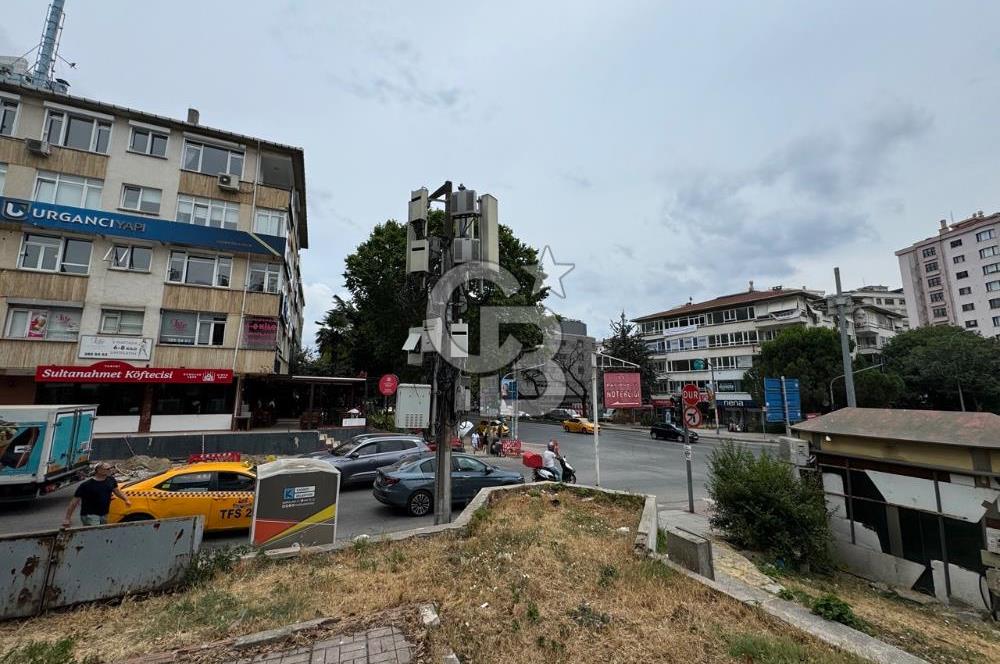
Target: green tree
point(626, 343)
point(943, 366)
point(876, 388)
point(811, 354)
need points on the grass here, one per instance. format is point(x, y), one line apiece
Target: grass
point(765, 649)
point(543, 576)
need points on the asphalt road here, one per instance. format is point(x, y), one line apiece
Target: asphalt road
point(630, 460)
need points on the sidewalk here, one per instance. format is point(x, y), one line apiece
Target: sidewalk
point(382, 645)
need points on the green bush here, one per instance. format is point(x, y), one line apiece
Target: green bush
point(831, 607)
point(760, 505)
point(46, 652)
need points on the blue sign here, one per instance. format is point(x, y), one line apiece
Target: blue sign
point(773, 400)
point(130, 226)
point(794, 398)
point(508, 389)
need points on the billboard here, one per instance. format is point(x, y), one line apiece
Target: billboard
point(260, 333)
point(622, 390)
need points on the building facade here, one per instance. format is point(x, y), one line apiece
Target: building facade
point(878, 314)
point(148, 265)
point(719, 338)
point(954, 278)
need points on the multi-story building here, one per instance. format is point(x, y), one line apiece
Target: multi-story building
point(148, 265)
point(692, 342)
point(574, 357)
point(954, 277)
point(878, 315)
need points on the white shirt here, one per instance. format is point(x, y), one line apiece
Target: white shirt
point(549, 459)
point(475, 439)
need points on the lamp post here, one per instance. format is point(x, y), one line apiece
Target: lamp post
point(595, 365)
point(715, 395)
point(874, 366)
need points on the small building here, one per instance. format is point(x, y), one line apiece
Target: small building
point(913, 495)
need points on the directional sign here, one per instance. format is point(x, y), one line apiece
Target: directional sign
point(691, 395)
point(794, 397)
point(387, 384)
point(773, 400)
point(693, 417)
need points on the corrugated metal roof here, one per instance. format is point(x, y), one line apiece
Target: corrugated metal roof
point(746, 297)
point(942, 427)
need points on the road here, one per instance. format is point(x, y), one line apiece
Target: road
point(629, 461)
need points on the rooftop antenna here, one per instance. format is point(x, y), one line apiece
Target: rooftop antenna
point(43, 74)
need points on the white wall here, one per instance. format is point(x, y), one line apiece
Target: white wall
point(164, 423)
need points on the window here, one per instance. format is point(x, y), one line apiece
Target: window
point(147, 141)
point(140, 199)
point(962, 275)
point(197, 270)
point(212, 160)
point(389, 446)
point(468, 465)
point(115, 321)
point(931, 267)
point(128, 257)
point(992, 286)
point(235, 482)
point(428, 467)
point(79, 132)
point(988, 234)
point(958, 259)
point(53, 254)
point(270, 222)
point(995, 303)
point(992, 268)
point(187, 482)
point(264, 277)
point(929, 251)
point(940, 312)
point(972, 323)
point(70, 190)
point(8, 115)
point(956, 243)
point(968, 307)
point(3, 176)
point(991, 250)
point(996, 323)
point(934, 281)
point(967, 290)
point(53, 324)
point(937, 297)
point(207, 212)
point(184, 328)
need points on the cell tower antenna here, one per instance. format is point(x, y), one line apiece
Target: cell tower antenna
point(43, 74)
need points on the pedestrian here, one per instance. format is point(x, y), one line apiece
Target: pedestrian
point(94, 497)
point(475, 442)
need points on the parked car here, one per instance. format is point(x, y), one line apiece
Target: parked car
point(670, 431)
point(563, 414)
point(358, 460)
point(220, 491)
point(578, 425)
point(409, 484)
point(607, 414)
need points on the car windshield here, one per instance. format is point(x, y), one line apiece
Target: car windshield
point(344, 448)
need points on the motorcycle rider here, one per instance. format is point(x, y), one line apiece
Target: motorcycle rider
point(550, 460)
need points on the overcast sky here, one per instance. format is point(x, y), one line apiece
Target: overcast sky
point(669, 150)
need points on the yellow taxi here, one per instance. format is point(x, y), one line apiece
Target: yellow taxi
point(221, 491)
point(578, 425)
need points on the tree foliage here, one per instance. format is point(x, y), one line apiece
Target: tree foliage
point(626, 343)
point(811, 354)
point(938, 363)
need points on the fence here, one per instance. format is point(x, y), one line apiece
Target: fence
point(55, 568)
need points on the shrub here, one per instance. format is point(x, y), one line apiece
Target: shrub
point(831, 607)
point(761, 505)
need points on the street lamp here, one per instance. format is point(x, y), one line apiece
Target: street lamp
point(593, 389)
point(874, 366)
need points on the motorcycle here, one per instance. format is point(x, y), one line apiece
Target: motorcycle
point(546, 475)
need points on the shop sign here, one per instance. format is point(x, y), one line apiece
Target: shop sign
point(114, 224)
point(260, 333)
point(114, 348)
point(122, 372)
point(622, 390)
point(737, 403)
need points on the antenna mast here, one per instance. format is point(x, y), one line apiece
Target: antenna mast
point(48, 48)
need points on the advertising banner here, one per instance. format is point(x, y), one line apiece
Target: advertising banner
point(622, 390)
point(295, 504)
point(122, 372)
point(94, 347)
point(260, 333)
point(508, 393)
point(37, 324)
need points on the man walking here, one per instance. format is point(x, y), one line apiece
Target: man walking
point(475, 442)
point(94, 498)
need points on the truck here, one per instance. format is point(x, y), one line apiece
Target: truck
point(43, 448)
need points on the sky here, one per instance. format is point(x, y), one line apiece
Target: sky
point(669, 150)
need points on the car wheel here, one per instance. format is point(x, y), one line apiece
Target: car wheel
point(420, 504)
point(136, 517)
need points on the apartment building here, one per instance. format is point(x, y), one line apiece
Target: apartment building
point(720, 337)
point(147, 264)
point(953, 278)
point(878, 314)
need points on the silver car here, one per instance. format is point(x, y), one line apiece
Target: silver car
point(359, 458)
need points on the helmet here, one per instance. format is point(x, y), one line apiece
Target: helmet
point(552, 445)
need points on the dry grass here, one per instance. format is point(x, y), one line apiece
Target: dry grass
point(930, 632)
point(540, 577)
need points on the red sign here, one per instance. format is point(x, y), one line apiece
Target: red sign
point(260, 333)
point(663, 403)
point(622, 390)
point(691, 395)
point(122, 372)
point(693, 417)
point(510, 447)
point(387, 384)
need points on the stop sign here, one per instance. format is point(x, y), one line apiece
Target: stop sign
point(387, 384)
point(691, 395)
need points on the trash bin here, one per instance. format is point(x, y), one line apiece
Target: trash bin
point(295, 504)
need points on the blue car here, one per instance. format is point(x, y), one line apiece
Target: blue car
point(409, 483)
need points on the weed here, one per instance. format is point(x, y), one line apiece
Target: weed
point(46, 652)
point(394, 559)
point(218, 610)
point(786, 595)
point(477, 519)
point(661, 540)
point(362, 545)
point(209, 562)
point(831, 607)
point(532, 613)
point(654, 569)
point(760, 649)
point(515, 626)
point(607, 575)
point(585, 616)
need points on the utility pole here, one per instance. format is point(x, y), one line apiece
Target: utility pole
point(842, 302)
point(715, 395)
point(597, 435)
point(445, 376)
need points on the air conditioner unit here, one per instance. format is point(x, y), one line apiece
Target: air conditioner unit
point(37, 146)
point(229, 182)
point(465, 249)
